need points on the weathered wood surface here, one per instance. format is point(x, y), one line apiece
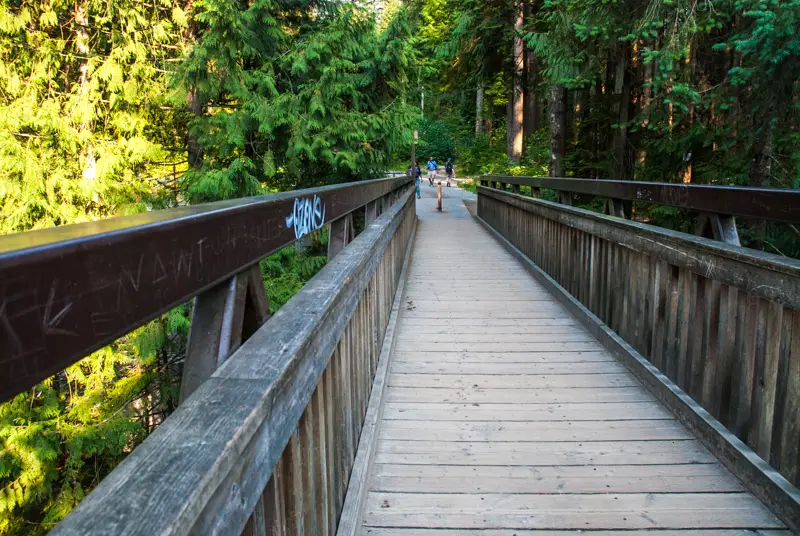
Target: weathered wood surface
point(72, 289)
point(503, 416)
point(720, 322)
point(267, 443)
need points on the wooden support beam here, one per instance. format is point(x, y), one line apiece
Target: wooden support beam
point(617, 208)
point(370, 212)
point(223, 317)
point(719, 227)
point(340, 233)
point(215, 332)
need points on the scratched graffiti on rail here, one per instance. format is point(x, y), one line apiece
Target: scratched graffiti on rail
point(308, 215)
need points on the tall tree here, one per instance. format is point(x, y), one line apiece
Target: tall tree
point(558, 129)
point(517, 95)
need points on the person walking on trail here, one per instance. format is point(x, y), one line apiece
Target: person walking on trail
point(432, 166)
point(448, 169)
point(417, 175)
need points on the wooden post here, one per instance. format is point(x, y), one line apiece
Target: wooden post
point(439, 197)
point(618, 208)
point(719, 227)
point(370, 212)
point(223, 317)
point(339, 235)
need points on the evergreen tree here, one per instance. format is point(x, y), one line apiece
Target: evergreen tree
point(290, 107)
point(109, 109)
point(84, 132)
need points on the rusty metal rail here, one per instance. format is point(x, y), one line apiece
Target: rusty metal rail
point(67, 291)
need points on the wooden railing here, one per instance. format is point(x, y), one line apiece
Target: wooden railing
point(716, 206)
point(265, 436)
point(720, 321)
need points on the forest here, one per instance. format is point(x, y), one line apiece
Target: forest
point(113, 108)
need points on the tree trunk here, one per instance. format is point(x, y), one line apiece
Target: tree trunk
point(760, 170)
point(194, 150)
point(479, 108)
point(517, 104)
point(531, 116)
point(647, 96)
point(509, 122)
point(82, 48)
point(581, 113)
point(531, 122)
point(761, 166)
point(647, 90)
point(622, 103)
point(558, 130)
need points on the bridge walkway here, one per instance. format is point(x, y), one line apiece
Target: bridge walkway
point(503, 416)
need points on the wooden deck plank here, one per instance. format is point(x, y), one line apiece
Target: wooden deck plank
point(568, 511)
point(506, 357)
point(506, 369)
point(544, 453)
point(555, 479)
point(416, 326)
point(520, 381)
point(400, 531)
point(503, 417)
point(460, 324)
point(498, 431)
point(525, 412)
point(546, 395)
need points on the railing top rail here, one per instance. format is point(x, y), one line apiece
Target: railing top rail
point(696, 253)
point(67, 291)
point(202, 470)
point(763, 203)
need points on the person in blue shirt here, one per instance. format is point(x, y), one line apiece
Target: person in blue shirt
point(431, 165)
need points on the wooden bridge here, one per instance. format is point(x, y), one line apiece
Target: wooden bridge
point(507, 365)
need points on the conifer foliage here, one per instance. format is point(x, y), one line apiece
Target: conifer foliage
point(693, 91)
point(298, 106)
point(83, 126)
point(108, 108)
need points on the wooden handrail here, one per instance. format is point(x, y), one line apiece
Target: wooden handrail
point(764, 203)
point(719, 322)
point(267, 443)
point(67, 291)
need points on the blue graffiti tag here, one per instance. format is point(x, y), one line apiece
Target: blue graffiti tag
point(308, 215)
